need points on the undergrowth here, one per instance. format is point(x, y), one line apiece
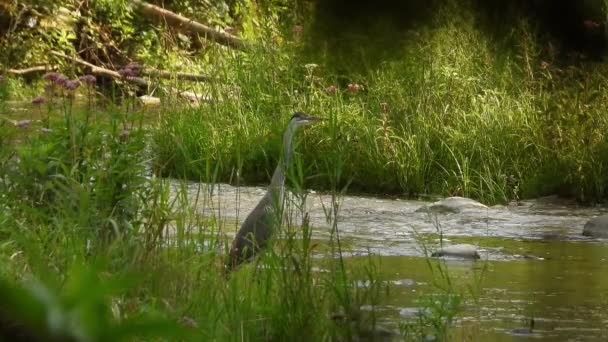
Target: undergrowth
point(95, 247)
point(453, 111)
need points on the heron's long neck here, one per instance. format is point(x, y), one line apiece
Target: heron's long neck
point(278, 178)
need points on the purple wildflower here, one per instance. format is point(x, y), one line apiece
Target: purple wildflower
point(51, 76)
point(45, 130)
point(88, 79)
point(124, 133)
point(71, 84)
point(38, 100)
point(23, 123)
point(331, 89)
point(61, 79)
point(134, 67)
point(126, 72)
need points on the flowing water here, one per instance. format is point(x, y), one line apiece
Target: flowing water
point(535, 264)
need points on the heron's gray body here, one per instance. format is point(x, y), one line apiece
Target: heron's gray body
point(259, 225)
point(256, 229)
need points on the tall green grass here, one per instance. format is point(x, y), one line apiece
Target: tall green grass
point(95, 247)
point(452, 110)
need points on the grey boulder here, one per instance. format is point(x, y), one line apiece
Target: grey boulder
point(452, 205)
point(597, 227)
point(464, 251)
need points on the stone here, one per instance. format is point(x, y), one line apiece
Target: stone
point(464, 251)
point(414, 312)
point(147, 100)
point(597, 227)
point(452, 205)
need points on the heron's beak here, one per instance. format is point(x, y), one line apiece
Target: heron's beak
point(313, 119)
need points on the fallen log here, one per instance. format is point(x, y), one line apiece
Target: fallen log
point(97, 70)
point(180, 21)
point(137, 80)
point(178, 75)
point(102, 71)
point(20, 72)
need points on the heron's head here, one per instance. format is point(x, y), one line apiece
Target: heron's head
point(301, 119)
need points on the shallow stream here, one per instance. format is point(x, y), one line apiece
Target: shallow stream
point(537, 264)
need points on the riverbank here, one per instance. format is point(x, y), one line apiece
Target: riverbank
point(451, 112)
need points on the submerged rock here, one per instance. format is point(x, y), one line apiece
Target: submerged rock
point(452, 205)
point(414, 312)
point(404, 282)
point(377, 334)
point(527, 331)
point(459, 251)
point(597, 227)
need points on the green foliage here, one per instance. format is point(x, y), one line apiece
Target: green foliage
point(448, 111)
point(122, 255)
point(80, 311)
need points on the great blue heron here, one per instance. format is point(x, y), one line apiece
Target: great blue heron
point(258, 226)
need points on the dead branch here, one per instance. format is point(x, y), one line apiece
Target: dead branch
point(178, 75)
point(102, 71)
point(177, 20)
point(39, 68)
point(137, 80)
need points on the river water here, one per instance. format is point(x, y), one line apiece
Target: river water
point(535, 264)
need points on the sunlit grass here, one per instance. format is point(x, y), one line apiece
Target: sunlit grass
point(107, 250)
point(451, 115)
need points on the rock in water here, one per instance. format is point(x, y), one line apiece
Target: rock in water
point(464, 251)
point(452, 205)
point(597, 227)
point(147, 100)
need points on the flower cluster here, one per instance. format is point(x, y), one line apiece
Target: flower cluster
point(71, 85)
point(88, 79)
point(38, 100)
point(130, 70)
point(56, 78)
point(59, 80)
point(354, 87)
point(51, 76)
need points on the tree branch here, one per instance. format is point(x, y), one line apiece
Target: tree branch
point(102, 71)
point(177, 20)
point(190, 96)
point(39, 68)
point(178, 75)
